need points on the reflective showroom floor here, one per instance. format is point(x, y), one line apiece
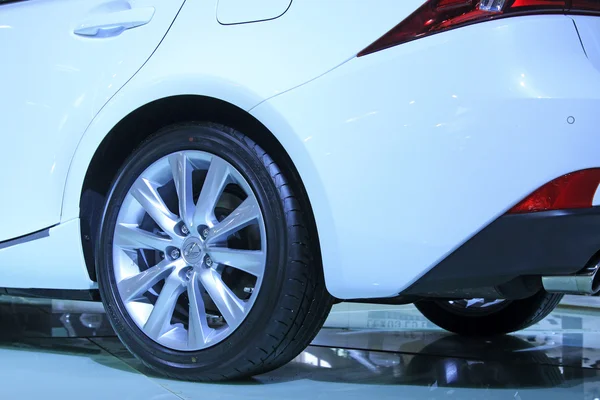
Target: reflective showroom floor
point(67, 350)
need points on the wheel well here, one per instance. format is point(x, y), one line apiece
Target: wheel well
point(130, 132)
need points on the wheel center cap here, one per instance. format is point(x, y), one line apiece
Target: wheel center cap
point(193, 251)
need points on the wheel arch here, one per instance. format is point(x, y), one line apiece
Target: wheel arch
point(130, 131)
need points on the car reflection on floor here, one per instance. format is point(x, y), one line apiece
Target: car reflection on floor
point(63, 345)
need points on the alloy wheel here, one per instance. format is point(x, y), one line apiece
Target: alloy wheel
point(189, 250)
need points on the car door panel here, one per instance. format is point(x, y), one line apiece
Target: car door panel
point(54, 81)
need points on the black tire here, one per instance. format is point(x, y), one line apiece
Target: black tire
point(513, 316)
point(292, 303)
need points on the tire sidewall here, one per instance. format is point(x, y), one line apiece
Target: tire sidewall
point(203, 137)
point(517, 315)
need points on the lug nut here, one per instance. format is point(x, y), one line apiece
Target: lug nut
point(188, 274)
point(185, 230)
point(208, 261)
point(204, 233)
point(175, 253)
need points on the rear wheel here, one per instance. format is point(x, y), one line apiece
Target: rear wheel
point(206, 264)
point(488, 317)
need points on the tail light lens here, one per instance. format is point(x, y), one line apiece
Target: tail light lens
point(440, 15)
point(575, 190)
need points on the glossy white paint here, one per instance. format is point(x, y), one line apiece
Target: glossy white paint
point(114, 19)
point(52, 262)
point(589, 31)
point(596, 200)
point(243, 11)
point(270, 67)
point(211, 68)
point(53, 84)
point(409, 152)
point(405, 153)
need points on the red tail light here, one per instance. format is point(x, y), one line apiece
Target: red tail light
point(439, 15)
point(574, 190)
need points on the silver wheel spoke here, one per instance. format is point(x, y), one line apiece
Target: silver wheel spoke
point(182, 177)
point(250, 261)
point(193, 246)
point(160, 318)
point(230, 306)
point(146, 193)
point(241, 217)
point(214, 184)
point(198, 330)
point(129, 236)
point(135, 286)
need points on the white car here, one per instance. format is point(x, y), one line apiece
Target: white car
point(222, 171)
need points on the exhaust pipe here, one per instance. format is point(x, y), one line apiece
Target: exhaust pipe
point(586, 282)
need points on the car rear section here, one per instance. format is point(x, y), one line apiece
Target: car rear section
point(457, 153)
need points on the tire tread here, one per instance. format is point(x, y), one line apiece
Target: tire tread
point(516, 316)
point(296, 323)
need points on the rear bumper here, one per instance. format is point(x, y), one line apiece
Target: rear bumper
point(520, 245)
point(409, 152)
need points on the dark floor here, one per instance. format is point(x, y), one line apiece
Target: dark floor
point(65, 350)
